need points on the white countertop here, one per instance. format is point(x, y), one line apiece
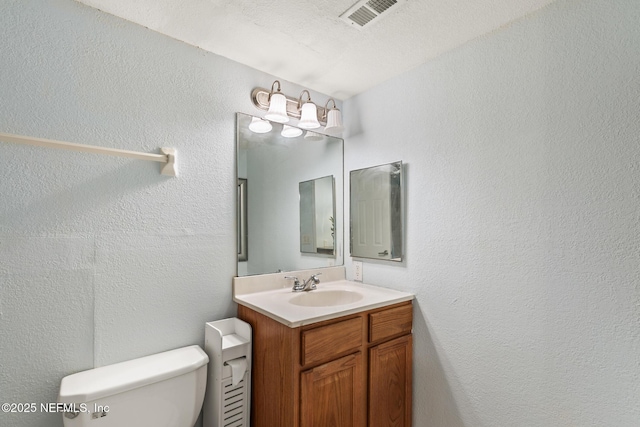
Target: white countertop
point(272, 299)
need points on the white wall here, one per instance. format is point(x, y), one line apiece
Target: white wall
point(523, 157)
point(103, 259)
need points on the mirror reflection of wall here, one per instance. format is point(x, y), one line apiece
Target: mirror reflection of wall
point(317, 216)
point(274, 166)
point(376, 212)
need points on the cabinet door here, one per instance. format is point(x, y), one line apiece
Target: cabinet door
point(390, 383)
point(333, 394)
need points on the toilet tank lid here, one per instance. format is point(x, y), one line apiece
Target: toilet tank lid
point(108, 380)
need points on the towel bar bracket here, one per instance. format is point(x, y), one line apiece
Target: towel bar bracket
point(170, 168)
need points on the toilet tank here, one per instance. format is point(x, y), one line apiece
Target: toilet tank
point(161, 390)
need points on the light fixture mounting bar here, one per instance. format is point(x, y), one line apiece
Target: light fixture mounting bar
point(260, 98)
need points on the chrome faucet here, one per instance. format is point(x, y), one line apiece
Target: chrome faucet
point(306, 286)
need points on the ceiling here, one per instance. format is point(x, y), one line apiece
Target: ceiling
point(306, 42)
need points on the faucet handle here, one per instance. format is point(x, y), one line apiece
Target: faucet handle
point(296, 282)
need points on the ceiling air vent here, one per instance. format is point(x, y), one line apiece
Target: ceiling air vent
point(365, 12)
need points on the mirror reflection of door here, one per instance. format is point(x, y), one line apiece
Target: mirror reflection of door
point(317, 213)
point(376, 212)
point(242, 220)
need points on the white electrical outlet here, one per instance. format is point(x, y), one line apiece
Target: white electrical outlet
point(357, 271)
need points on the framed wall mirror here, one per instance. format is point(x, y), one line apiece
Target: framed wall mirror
point(274, 166)
point(376, 206)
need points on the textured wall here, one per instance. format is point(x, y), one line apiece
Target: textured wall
point(523, 155)
point(103, 259)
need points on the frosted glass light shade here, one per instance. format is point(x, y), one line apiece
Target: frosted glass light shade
point(290, 131)
point(309, 116)
point(334, 121)
point(277, 108)
point(312, 136)
point(258, 125)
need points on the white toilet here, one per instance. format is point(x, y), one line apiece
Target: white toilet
point(162, 390)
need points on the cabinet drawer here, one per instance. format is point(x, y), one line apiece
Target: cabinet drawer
point(391, 322)
point(328, 342)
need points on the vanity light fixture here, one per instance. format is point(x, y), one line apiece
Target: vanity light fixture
point(258, 125)
point(308, 112)
point(333, 116)
point(290, 131)
point(277, 106)
point(281, 107)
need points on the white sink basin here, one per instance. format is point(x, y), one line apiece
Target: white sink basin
point(326, 298)
point(271, 295)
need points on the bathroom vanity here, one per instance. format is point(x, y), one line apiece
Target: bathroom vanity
point(326, 361)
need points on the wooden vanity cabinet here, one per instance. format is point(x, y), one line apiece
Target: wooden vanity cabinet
point(352, 371)
point(333, 394)
point(390, 383)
